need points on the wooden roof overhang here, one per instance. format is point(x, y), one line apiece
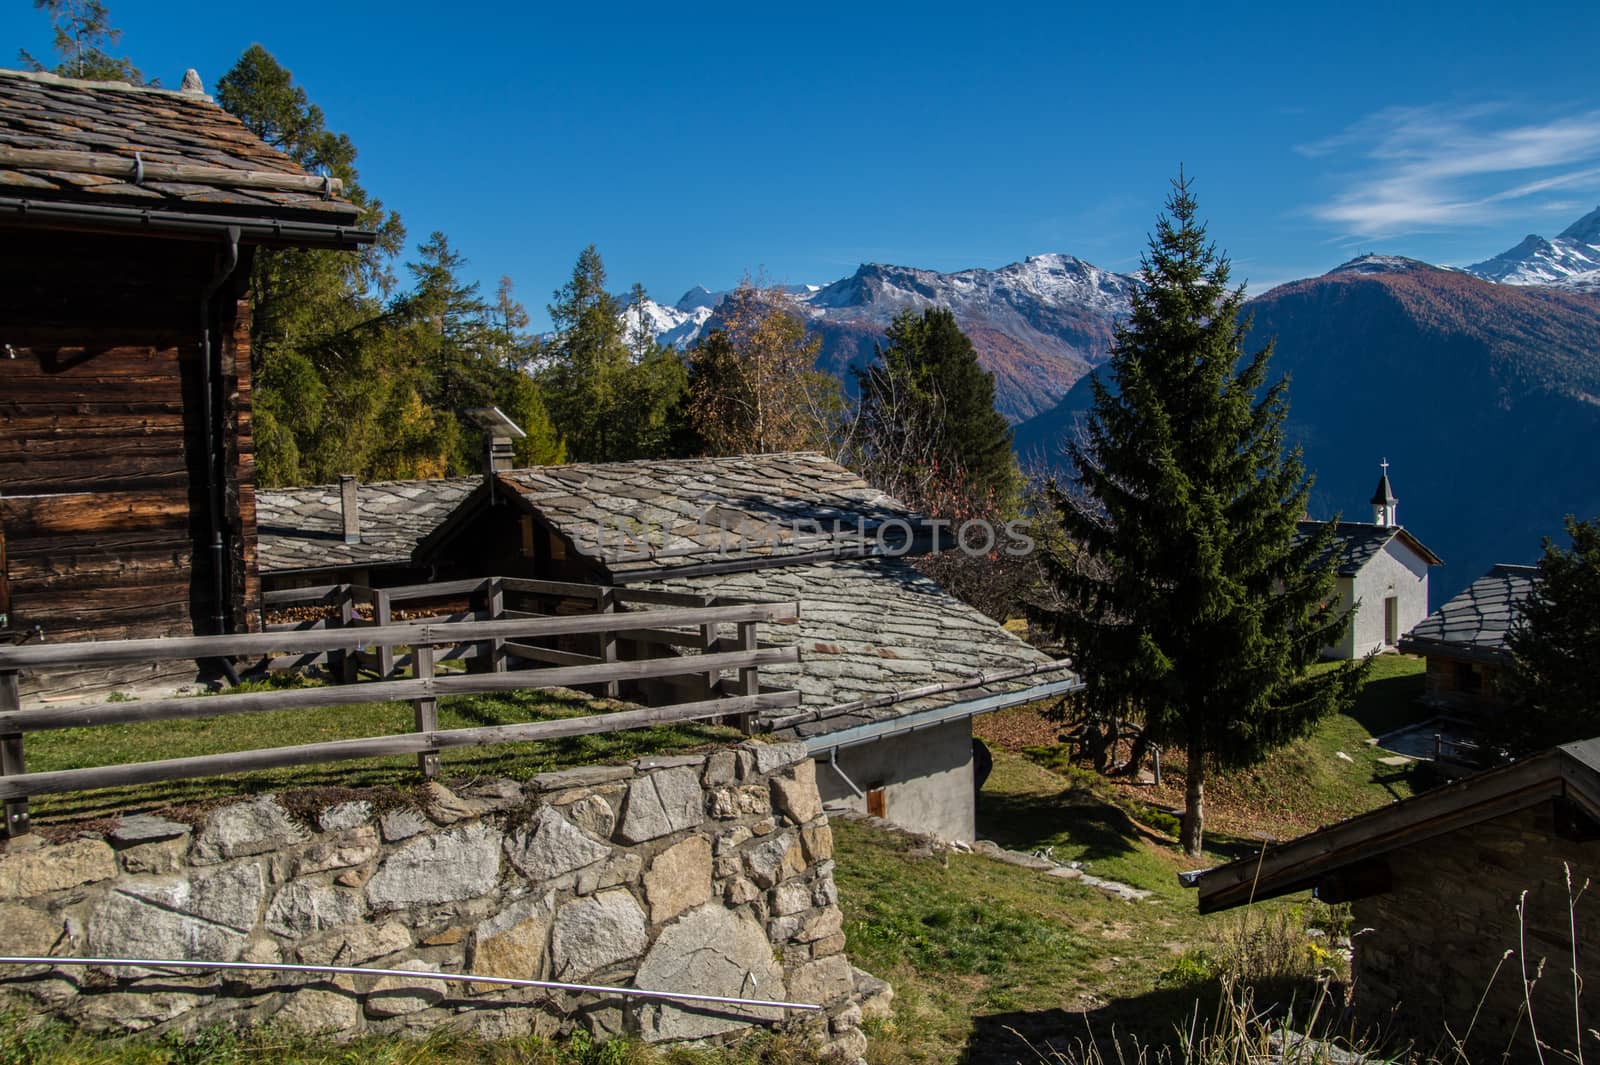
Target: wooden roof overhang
point(1344, 861)
point(1462, 652)
point(165, 222)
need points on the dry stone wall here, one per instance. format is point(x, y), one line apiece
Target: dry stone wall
point(709, 873)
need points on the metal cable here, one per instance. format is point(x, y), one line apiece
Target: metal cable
point(508, 981)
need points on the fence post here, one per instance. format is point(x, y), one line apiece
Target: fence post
point(606, 603)
point(380, 616)
point(11, 760)
point(749, 679)
point(427, 709)
point(349, 660)
point(496, 602)
point(709, 637)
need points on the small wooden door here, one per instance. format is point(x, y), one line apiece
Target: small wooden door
point(1391, 621)
point(877, 803)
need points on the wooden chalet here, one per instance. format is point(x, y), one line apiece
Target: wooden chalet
point(129, 219)
point(1435, 883)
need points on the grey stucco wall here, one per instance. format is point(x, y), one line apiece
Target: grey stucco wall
point(1426, 952)
point(1395, 571)
point(926, 776)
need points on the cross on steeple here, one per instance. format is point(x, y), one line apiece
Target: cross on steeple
point(1384, 501)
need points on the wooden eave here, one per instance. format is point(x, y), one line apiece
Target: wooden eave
point(1458, 652)
point(1417, 545)
point(1301, 863)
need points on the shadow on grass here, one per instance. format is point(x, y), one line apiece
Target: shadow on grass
point(1118, 1029)
point(1388, 703)
point(1027, 820)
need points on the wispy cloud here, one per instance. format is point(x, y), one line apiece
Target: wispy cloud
point(1405, 170)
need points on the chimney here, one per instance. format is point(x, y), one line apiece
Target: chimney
point(349, 508)
point(498, 433)
point(499, 456)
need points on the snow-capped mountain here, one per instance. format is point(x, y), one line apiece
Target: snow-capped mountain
point(1571, 260)
point(1038, 325)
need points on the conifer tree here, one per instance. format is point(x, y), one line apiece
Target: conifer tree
point(1554, 682)
point(1181, 588)
point(587, 362)
point(926, 401)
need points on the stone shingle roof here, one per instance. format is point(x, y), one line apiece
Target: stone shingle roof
point(1475, 623)
point(647, 516)
point(303, 528)
point(116, 144)
point(872, 628)
point(1355, 543)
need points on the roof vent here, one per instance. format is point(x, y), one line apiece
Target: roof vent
point(349, 508)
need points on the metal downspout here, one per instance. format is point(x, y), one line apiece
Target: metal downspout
point(833, 763)
point(214, 488)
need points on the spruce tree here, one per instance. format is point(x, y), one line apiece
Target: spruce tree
point(927, 401)
point(1181, 588)
point(1554, 682)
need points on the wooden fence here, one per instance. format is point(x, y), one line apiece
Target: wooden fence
point(672, 653)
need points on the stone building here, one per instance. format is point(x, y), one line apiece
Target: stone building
point(1464, 641)
point(1382, 570)
point(1435, 883)
point(893, 667)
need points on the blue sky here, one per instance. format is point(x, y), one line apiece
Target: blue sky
point(692, 143)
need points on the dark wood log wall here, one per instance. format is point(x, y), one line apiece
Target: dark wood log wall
point(102, 472)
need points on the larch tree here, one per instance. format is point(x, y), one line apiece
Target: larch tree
point(82, 41)
point(1179, 583)
point(1554, 681)
point(753, 382)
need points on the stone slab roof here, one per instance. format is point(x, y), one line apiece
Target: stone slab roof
point(1355, 543)
point(303, 528)
point(1479, 619)
point(637, 517)
point(872, 629)
point(116, 144)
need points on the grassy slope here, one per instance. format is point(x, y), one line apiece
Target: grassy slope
point(981, 953)
point(1297, 789)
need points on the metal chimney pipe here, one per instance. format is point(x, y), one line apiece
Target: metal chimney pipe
point(350, 508)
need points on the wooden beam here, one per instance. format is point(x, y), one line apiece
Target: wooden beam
point(24, 721)
point(426, 710)
point(62, 780)
point(556, 588)
point(120, 166)
point(548, 655)
point(254, 644)
point(11, 759)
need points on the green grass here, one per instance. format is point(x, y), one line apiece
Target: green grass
point(1298, 788)
point(26, 1041)
point(118, 744)
point(979, 952)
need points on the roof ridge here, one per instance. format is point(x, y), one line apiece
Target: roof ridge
point(44, 77)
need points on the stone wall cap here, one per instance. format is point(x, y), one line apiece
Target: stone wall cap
point(580, 777)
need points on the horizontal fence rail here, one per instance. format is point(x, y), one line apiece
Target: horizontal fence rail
point(671, 654)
